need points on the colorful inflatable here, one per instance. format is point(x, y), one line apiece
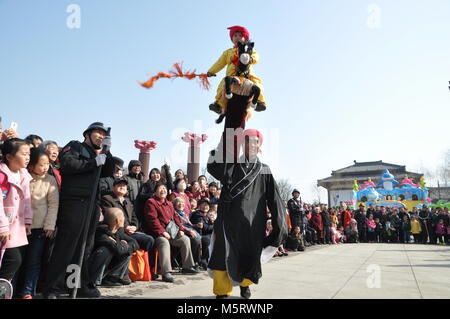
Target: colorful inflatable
point(406, 194)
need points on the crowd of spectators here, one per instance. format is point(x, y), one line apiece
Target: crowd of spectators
point(167, 216)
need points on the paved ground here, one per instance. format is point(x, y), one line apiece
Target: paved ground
point(337, 271)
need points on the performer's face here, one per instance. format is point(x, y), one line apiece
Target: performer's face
point(238, 37)
point(251, 146)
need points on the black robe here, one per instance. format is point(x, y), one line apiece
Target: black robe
point(239, 230)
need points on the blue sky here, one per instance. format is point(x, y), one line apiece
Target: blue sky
point(337, 89)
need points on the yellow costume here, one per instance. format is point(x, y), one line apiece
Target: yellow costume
point(226, 59)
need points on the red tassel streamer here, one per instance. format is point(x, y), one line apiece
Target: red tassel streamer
point(177, 72)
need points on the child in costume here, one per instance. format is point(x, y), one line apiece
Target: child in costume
point(230, 59)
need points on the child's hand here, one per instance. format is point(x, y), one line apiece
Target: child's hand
point(210, 74)
point(4, 237)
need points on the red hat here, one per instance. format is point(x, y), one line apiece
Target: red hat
point(254, 132)
point(238, 28)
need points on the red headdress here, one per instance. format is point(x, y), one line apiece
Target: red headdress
point(253, 132)
point(238, 28)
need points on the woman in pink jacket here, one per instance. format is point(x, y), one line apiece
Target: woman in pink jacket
point(16, 215)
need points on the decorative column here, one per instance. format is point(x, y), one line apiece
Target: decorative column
point(193, 166)
point(144, 155)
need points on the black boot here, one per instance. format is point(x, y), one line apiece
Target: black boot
point(88, 292)
point(260, 107)
point(189, 271)
point(167, 277)
point(245, 292)
point(215, 108)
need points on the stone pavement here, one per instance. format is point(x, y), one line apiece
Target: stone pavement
point(347, 271)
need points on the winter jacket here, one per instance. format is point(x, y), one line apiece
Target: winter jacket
point(326, 219)
point(79, 170)
point(440, 229)
point(147, 191)
point(415, 227)
point(119, 248)
point(126, 206)
point(134, 184)
point(208, 226)
point(406, 226)
point(316, 220)
point(158, 215)
point(15, 206)
point(44, 201)
point(371, 225)
point(105, 185)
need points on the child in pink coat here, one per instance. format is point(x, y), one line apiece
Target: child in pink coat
point(15, 205)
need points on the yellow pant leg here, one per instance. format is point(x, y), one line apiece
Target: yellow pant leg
point(246, 282)
point(220, 99)
point(222, 284)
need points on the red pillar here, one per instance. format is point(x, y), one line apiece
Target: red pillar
point(144, 155)
point(193, 164)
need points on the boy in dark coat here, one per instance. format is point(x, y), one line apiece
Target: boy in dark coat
point(108, 264)
point(295, 240)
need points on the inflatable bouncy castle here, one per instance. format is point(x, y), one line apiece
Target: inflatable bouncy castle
point(391, 193)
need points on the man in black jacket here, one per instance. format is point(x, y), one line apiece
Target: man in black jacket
point(361, 219)
point(295, 207)
point(108, 264)
point(79, 166)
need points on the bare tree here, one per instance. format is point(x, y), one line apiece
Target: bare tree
point(285, 188)
point(443, 170)
point(316, 191)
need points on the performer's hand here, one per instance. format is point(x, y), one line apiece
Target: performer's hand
point(166, 235)
point(181, 233)
point(193, 233)
point(210, 74)
point(48, 233)
point(4, 237)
